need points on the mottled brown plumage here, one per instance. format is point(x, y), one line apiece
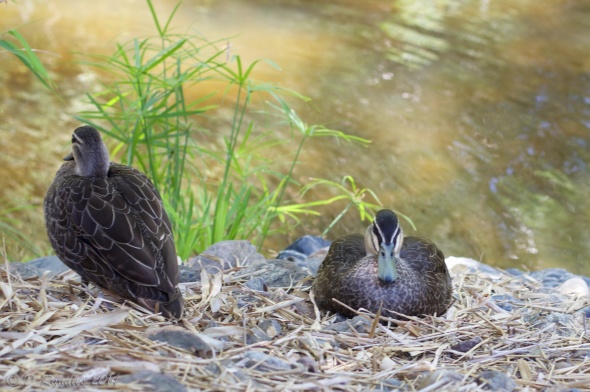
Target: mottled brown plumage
point(419, 283)
point(106, 221)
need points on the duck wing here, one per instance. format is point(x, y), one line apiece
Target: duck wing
point(114, 231)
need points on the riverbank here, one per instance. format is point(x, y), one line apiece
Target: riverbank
point(250, 324)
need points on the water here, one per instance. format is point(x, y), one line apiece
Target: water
point(479, 111)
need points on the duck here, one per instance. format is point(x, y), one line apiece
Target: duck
point(106, 221)
point(383, 270)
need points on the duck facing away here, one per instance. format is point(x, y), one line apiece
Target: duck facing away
point(106, 221)
point(384, 270)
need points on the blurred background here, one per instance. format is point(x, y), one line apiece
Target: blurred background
point(478, 111)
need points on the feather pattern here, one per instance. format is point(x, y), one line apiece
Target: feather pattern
point(113, 230)
point(349, 273)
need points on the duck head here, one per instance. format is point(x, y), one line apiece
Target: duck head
point(384, 238)
point(89, 153)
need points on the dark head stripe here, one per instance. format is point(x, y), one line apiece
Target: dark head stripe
point(386, 227)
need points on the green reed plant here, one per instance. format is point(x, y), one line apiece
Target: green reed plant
point(154, 127)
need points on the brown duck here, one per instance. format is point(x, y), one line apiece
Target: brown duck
point(106, 221)
point(384, 270)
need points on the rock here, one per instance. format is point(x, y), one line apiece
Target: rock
point(442, 378)
point(188, 274)
point(153, 381)
point(276, 273)
point(505, 301)
point(515, 272)
point(458, 265)
point(225, 255)
point(310, 265)
point(303, 247)
point(466, 345)
point(271, 327)
point(180, 338)
point(552, 277)
point(263, 362)
point(308, 363)
point(256, 284)
point(359, 323)
point(257, 335)
point(36, 267)
point(575, 286)
point(496, 381)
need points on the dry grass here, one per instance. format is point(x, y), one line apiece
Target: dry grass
point(54, 330)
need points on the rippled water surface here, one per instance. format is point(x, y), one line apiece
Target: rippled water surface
point(479, 111)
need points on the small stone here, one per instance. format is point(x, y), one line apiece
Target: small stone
point(153, 381)
point(37, 267)
point(256, 284)
point(575, 286)
point(257, 335)
point(359, 323)
point(496, 381)
point(552, 277)
point(276, 273)
point(272, 327)
point(304, 246)
point(180, 338)
point(225, 255)
point(391, 384)
point(442, 378)
point(263, 362)
point(505, 301)
point(188, 274)
point(309, 364)
point(515, 272)
point(466, 345)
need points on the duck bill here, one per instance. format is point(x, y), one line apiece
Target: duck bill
point(387, 268)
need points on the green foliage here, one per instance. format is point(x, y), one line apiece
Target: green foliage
point(145, 110)
point(27, 56)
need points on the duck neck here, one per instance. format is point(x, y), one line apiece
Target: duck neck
point(93, 164)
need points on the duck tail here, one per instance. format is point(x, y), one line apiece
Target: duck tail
point(172, 309)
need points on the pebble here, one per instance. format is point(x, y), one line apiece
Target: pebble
point(35, 268)
point(152, 381)
point(466, 345)
point(225, 255)
point(442, 378)
point(181, 338)
point(303, 247)
point(496, 381)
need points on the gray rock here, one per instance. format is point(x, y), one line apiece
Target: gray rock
point(257, 284)
point(153, 381)
point(466, 345)
point(309, 265)
point(180, 338)
point(358, 323)
point(495, 381)
point(515, 272)
point(35, 268)
point(257, 335)
point(552, 277)
point(188, 274)
point(505, 301)
point(304, 246)
point(444, 380)
point(271, 327)
point(276, 273)
point(225, 255)
point(264, 362)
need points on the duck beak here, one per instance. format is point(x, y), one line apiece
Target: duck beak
point(386, 262)
point(69, 157)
